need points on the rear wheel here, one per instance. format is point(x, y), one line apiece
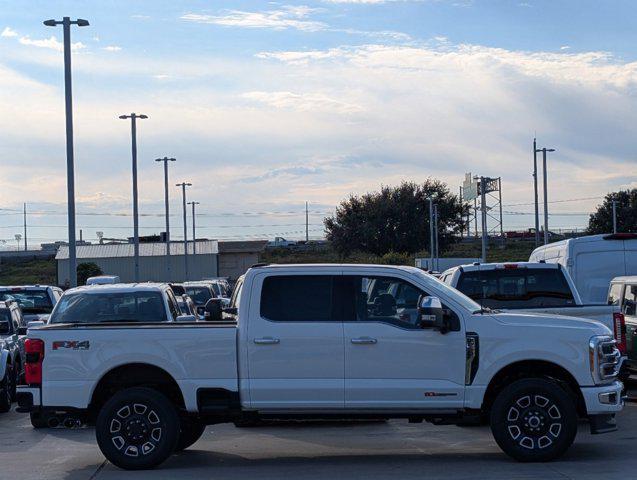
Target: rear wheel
point(7, 385)
point(189, 433)
point(534, 420)
point(137, 428)
point(38, 420)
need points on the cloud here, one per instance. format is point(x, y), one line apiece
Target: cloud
point(51, 43)
point(112, 48)
point(8, 32)
point(303, 102)
point(286, 17)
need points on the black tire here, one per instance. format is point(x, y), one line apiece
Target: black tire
point(189, 433)
point(38, 420)
point(137, 428)
point(14, 384)
point(7, 385)
point(534, 420)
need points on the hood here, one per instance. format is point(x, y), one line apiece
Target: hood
point(32, 317)
point(546, 320)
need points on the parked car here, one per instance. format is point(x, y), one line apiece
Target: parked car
point(592, 261)
point(200, 292)
point(12, 353)
point(36, 301)
point(178, 288)
point(623, 295)
point(103, 280)
point(221, 289)
point(309, 343)
point(531, 287)
point(186, 305)
point(141, 302)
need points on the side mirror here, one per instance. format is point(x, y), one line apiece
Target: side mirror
point(431, 314)
point(186, 318)
point(22, 330)
point(213, 310)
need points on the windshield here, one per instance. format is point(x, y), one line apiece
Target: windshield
point(457, 296)
point(110, 307)
point(517, 288)
point(31, 301)
point(199, 295)
point(5, 322)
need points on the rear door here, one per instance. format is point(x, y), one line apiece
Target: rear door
point(295, 342)
point(628, 308)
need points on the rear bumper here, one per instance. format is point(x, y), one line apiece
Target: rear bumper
point(28, 399)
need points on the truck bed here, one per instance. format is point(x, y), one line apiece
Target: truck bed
point(79, 355)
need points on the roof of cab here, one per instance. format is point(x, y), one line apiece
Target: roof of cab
point(319, 266)
point(503, 265)
point(119, 288)
point(25, 287)
point(625, 279)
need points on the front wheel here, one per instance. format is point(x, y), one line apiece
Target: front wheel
point(534, 420)
point(137, 428)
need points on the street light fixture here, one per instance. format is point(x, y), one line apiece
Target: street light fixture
point(183, 186)
point(166, 160)
point(133, 127)
point(66, 23)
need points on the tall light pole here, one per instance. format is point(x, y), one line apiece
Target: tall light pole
point(183, 186)
point(194, 234)
point(431, 233)
point(436, 237)
point(133, 131)
point(483, 211)
point(537, 207)
point(166, 206)
point(546, 203)
point(25, 227)
point(614, 203)
point(66, 23)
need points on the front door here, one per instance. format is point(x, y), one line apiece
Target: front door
point(295, 343)
point(390, 361)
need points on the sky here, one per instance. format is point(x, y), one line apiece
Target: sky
point(268, 105)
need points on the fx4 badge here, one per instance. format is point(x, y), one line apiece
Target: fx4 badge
point(71, 344)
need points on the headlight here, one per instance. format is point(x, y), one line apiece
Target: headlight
point(604, 359)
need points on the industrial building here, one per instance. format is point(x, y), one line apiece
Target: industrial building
point(118, 259)
point(212, 259)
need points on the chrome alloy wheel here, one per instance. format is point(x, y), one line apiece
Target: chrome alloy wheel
point(534, 422)
point(135, 429)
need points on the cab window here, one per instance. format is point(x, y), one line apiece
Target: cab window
point(630, 301)
point(297, 298)
point(614, 294)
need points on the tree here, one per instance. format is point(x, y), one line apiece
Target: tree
point(396, 219)
point(86, 270)
point(602, 220)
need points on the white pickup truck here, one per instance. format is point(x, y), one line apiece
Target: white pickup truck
point(325, 341)
point(534, 287)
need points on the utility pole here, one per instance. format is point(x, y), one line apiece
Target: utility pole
point(166, 207)
point(183, 186)
point(25, 227)
point(431, 233)
point(537, 206)
point(307, 225)
point(436, 237)
point(133, 131)
point(194, 235)
point(614, 203)
point(483, 209)
point(66, 23)
point(546, 203)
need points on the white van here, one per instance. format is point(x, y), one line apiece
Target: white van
point(592, 261)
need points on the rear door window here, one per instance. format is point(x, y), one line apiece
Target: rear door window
point(614, 294)
point(517, 288)
point(297, 298)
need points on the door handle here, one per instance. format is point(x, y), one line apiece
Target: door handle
point(266, 341)
point(364, 341)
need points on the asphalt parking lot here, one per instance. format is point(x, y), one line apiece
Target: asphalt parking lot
point(393, 449)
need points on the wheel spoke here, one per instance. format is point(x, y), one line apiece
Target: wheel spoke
point(514, 431)
point(524, 402)
point(139, 408)
point(116, 425)
point(124, 412)
point(153, 417)
point(119, 442)
point(513, 415)
point(527, 442)
point(541, 401)
point(554, 412)
point(544, 442)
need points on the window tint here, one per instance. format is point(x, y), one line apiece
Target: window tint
point(630, 301)
point(381, 299)
point(173, 306)
point(614, 294)
point(5, 322)
point(297, 298)
point(110, 307)
point(517, 288)
point(31, 301)
point(199, 295)
point(236, 294)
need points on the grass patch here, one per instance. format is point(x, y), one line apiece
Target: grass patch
point(42, 272)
